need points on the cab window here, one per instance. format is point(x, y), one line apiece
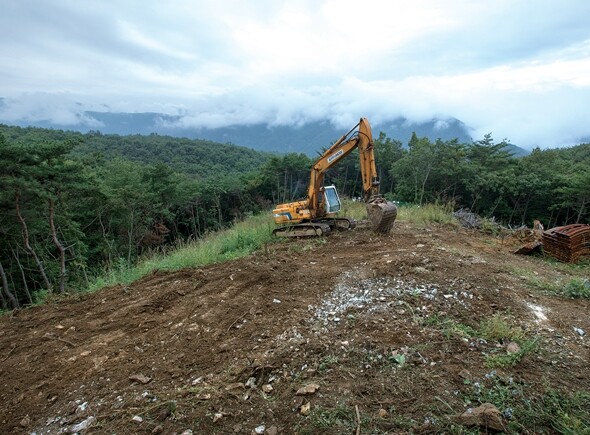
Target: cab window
point(332, 199)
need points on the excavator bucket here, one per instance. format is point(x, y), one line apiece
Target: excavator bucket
point(382, 214)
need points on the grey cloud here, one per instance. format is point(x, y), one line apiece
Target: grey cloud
point(60, 58)
point(60, 109)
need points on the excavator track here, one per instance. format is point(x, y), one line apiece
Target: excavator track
point(307, 229)
point(317, 228)
point(382, 214)
point(343, 224)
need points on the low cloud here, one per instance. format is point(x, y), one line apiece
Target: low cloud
point(56, 109)
point(529, 117)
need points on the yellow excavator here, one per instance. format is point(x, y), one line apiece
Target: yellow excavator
point(317, 214)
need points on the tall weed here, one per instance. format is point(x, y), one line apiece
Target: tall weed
point(422, 215)
point(238, 241)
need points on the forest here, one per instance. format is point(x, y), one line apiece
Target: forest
point(74, 206)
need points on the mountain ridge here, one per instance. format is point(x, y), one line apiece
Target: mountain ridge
point(309, 138)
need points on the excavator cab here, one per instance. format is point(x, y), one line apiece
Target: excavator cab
point(332, 199)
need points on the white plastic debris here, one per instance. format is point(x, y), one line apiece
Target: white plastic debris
point(83, 425)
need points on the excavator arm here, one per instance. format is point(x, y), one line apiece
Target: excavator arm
point(361, 139)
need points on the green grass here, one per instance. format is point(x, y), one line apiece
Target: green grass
point(427, 214)
point(496, 328)
point(578, 268)
point(420, 215)
point(449, 327)
point(503, 359)
point(340, 419)
point(552, 411)
point(353, 209)
point(40, 297)
point(536, 281)
point(499, 327)
point(238, 241)
point(327, 362)
point(576, 287)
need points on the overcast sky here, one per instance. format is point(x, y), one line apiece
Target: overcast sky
point(519, 69)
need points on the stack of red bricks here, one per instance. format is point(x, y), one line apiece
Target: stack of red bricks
point(568, 243)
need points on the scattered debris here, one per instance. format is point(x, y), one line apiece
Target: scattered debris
point(83, 425)
point(538, 311)
point(137, 419)
point(486, 416)
point(305, 409)
point(139, 378)
point(235, 386)
point(307, 390)
point(467, 219)
point(52, 336)
point(538, 229)
point(267, 388)
point(529, 248)
point(81, 407)
point(259, 429)
point(358, 420)
point(580, 331)
point(251, 382)
point(512, 347)
point(465, 374)
point(25, 421)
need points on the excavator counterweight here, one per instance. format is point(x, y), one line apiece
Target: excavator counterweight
point(316, 215)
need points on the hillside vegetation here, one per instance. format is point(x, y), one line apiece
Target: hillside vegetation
point(79, 207)
point(201, 159)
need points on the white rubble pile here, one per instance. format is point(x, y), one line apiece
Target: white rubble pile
point(356, 291)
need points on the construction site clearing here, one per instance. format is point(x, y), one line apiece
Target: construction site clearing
point(352, 333)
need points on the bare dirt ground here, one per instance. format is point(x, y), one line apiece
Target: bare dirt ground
point(377, 328)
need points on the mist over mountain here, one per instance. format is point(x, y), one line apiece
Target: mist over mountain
point(308, 138)
point(312, 137)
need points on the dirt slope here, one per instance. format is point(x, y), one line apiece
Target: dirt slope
point(224, 348)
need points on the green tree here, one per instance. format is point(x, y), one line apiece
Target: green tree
point(489, 175)
point(387, 152)
point(574, 194)
point(415, 168)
